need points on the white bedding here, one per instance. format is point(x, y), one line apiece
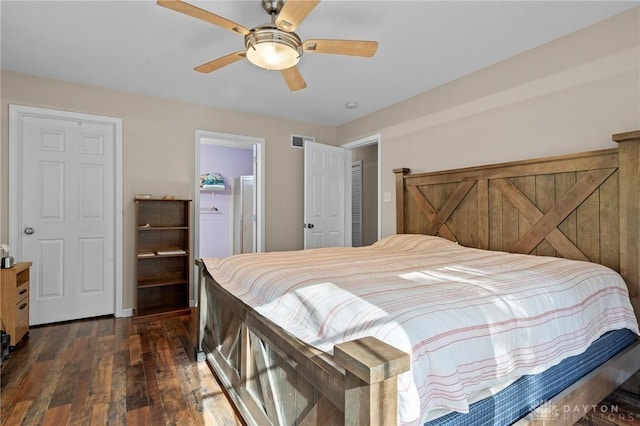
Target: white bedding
point(471, 319)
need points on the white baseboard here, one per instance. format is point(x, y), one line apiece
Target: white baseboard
point(127, 313)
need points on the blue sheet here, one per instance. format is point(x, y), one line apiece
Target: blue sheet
point(528, 392)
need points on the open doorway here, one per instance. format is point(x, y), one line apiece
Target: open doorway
point(229, 197)
point(223, 170)
point(365, 193)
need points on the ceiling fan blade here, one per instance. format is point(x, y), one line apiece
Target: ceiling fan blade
point(196, 12)
point(342, 47)
point(221, 62)
point(293, 13)
point(293, 78)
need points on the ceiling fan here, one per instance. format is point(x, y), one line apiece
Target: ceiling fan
point(275, 45)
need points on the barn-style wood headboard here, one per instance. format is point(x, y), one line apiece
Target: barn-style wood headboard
point(584, 206)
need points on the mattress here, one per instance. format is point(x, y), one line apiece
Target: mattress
point(434, 300)
point(530, 391)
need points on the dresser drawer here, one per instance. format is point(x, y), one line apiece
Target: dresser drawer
point(22, 318)
point(14, 301)
point(22, 291)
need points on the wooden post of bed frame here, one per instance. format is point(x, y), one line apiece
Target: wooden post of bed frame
point(629, 181)
point(629, 178)
point(371, 382)
point(400, 173)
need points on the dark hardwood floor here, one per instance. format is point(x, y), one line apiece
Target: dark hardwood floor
point(111, 371)
point(108, 371)
point(620, 408)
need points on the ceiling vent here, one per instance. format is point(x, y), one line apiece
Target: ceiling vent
point(298, 141)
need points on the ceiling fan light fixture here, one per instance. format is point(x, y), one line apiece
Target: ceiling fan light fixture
point(273, 49)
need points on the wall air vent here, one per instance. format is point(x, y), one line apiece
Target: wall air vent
point(297, 141)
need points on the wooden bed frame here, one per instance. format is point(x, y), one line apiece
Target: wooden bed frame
point(584, 206)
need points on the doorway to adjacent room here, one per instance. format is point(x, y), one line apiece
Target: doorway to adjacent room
point(229, 195)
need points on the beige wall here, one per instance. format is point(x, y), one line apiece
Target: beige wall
point(567, 96)
point(159, 152)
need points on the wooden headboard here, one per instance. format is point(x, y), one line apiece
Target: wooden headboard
point(584, 206)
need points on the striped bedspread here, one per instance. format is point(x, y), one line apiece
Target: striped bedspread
point(471, 319)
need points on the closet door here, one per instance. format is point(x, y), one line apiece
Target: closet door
point(67, 175)
point(356, 203)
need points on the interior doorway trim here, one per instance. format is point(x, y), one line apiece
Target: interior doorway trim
point(371, 140)
point(16, 113)
point(234, 141)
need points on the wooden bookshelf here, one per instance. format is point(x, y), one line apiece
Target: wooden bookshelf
point(163, 257)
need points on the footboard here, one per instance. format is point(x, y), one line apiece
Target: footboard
point(274, 378)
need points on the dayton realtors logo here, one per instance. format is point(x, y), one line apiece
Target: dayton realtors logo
point(547, 413)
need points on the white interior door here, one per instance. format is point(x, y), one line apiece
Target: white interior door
point(67, 216)
point(325, 183)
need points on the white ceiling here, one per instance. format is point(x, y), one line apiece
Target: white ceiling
point(140, 47)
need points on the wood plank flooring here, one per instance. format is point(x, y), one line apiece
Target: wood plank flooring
point(108, 371)
point(620, 408)
point(111, 371)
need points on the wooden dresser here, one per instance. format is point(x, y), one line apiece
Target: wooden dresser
point(14, 301)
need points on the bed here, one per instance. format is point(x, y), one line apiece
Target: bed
point(583, 207)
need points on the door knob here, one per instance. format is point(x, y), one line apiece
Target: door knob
point(29, 230)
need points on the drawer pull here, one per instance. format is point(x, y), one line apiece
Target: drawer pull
point(24, 305)
point(23, 291)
